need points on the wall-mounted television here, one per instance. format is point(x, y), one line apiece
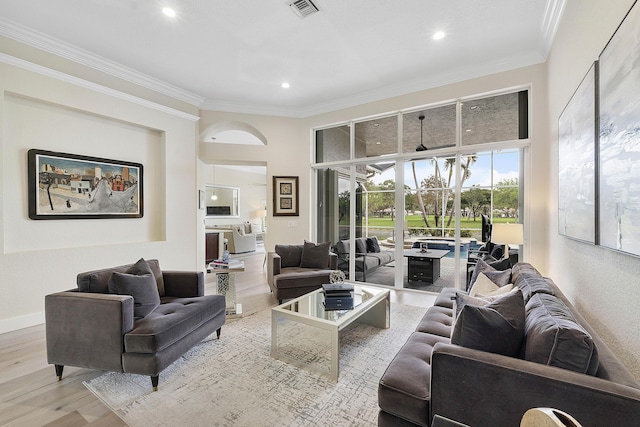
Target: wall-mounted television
point(218, 210)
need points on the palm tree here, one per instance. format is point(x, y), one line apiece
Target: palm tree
point(419, 194)
point(466, 173)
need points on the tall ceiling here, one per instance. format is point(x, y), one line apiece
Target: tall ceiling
point(234, 55)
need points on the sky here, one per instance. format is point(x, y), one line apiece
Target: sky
point(505, 165)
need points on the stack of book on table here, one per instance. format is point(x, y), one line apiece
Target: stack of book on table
point(338, 296)
point(218, 264)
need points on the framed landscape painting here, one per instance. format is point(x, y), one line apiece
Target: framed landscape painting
point(285, 196)
point(619, 180)
point(71, 186)
point(577, 162)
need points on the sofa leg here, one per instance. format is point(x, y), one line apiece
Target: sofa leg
point(218, 332)
point(59, 369)
point(154, 382)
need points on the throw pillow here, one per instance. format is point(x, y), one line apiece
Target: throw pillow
point(143, 289)
point(496, 327)
point(290, 255)
point(554, 338)
point(315, 255)
point(483, 267)
point(256, 228)
point(484, 286)
point(143, 266)
point(373, 245)
point(240, 230)
point(361, 246)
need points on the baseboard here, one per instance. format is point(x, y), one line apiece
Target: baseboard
point(21, 322)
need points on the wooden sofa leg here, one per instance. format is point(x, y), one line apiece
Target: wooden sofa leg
point(218, 332)
point(59, 369)
point(154, 382)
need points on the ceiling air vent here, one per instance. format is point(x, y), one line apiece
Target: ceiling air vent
point(303, 8)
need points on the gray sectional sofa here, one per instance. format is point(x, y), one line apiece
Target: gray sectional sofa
point(132, 318)
point(368, 255)
point(560, 363)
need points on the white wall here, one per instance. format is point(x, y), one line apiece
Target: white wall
point(67, 115)
point(604, 285)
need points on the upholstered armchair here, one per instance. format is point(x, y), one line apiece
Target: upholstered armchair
point(294, 270)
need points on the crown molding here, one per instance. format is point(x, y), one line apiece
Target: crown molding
point(41, 41)
point(550, 23)
point(39, 69)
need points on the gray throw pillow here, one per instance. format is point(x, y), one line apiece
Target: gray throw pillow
point(361, 246)
point(501, 278)
point(290, 255)
point(143, 289)
point(372, 245)
point(152, 266)
point(495, 327)
point(554, 338)
point(315, 255)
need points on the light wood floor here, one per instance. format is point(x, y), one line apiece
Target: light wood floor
point(31, 396)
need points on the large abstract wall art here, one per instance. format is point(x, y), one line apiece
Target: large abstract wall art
point(576, 162)
point(619, 181)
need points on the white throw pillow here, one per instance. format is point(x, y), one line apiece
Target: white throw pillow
point(256, 228)
point(484, 287)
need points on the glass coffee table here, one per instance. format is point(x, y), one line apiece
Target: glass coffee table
point(306, 335)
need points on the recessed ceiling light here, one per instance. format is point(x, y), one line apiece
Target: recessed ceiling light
point(439, 35)
point(169, 12)
point(285, 85)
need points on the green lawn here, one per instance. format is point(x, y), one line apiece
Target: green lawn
point(415, 221)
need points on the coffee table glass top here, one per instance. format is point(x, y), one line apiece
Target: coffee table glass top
point(312, 304)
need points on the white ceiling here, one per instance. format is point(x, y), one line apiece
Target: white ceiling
point(233, 55)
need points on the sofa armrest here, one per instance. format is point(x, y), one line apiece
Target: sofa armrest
point(183, 284)
point(333, 261)
point(86, 329)
point(274, 265)
point(479, 388)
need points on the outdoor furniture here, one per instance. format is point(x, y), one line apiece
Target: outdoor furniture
point(368, 255)
point(424, 266)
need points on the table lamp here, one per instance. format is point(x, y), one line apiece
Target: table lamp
point(507, 234)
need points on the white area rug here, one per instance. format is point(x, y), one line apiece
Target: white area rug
point(235, 382)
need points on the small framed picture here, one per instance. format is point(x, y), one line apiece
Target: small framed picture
point(285, 196)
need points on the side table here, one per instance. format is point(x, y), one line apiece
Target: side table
point(226, 284)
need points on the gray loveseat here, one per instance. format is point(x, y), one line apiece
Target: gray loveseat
point(90, 327)
point(294, 270)
point(574, 371)
point(368, 255)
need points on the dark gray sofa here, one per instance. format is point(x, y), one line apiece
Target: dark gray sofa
point(430, 376)
point(291, 273)
point(368, 256)
point(91, 328)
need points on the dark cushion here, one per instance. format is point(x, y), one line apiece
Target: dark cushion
point(290, 255)
point(500, 278)
point(98, 280)
point(315, 255)
point(405, 387)
point(373, 245)
point(143, 289)
point(483, 267)
point(361, 245)
point(143, 266)
point(530, 285)
point(342, 248)
point(172, 321)
point(501, 265)
point(495, 327)
point(554, 338)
